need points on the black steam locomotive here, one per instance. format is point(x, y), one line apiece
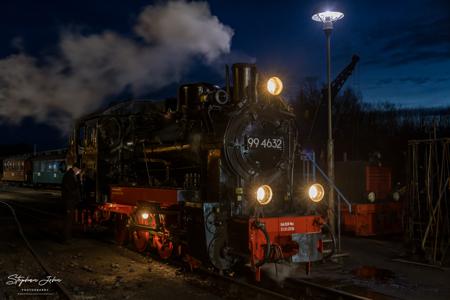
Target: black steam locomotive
point(212, 176)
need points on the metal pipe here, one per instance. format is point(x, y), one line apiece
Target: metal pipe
point(145, 227)
point(179, 147)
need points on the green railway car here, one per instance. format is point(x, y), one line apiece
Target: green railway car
point(48, 170)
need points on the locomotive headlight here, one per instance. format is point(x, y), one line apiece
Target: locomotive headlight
point(274, 86)
point(264, 194)
point(316, 192)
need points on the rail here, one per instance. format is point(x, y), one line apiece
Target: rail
point(336, 293)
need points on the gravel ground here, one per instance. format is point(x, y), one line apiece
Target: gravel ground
point(91, 269)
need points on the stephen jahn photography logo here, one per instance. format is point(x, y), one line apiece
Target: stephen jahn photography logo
point(32, 286)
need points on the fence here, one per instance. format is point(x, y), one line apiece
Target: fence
point(427, 213)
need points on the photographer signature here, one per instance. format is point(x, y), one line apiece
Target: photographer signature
point(16, 279)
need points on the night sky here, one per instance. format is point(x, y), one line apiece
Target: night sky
point(404, 46)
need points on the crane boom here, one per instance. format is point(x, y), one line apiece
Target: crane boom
point(338, 82)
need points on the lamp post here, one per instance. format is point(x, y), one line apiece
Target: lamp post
point(327, 18)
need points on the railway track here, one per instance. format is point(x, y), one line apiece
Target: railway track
point(295, 289)
point(313, 290)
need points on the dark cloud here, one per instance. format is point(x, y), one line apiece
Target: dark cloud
point(414, 41)
point(428, 33)
point(417, 80)
point(406, 57)
point(385, 81)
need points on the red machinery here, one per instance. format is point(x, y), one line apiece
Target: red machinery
point(376, 209)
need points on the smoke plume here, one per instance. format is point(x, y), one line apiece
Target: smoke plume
point(168, 37)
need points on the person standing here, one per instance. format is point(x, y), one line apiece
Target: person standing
point(71, 197)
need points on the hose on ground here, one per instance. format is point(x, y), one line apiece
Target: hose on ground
point(62, 289)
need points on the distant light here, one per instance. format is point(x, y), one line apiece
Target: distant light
point(274, 86)
point(396, 196)
point(144, 216)
point(371, 197)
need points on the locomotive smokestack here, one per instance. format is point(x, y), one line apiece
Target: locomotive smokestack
point(245, 80)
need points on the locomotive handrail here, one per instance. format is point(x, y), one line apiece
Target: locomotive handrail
point(349, 205)
point(340, 195)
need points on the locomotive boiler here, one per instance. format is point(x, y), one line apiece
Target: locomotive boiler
point(211, 176)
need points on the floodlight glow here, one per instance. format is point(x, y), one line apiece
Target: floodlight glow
point(274, 86)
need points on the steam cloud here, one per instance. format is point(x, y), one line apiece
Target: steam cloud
point(168, 37)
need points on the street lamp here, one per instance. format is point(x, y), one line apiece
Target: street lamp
point(328, 18)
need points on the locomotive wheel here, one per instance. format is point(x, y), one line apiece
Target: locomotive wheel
point(121, 233)
point(163, 245)
point(140, 239)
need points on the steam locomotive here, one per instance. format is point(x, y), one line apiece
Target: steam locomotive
point(212, 176)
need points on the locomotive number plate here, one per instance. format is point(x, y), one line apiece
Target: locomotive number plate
point(287, 226)
point(265, 143)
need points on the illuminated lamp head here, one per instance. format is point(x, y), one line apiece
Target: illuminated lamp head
point(316, 192)
point(396, 196)
point(274, 86)
point(145, 215)
point(264, 194)
point(371, 197)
